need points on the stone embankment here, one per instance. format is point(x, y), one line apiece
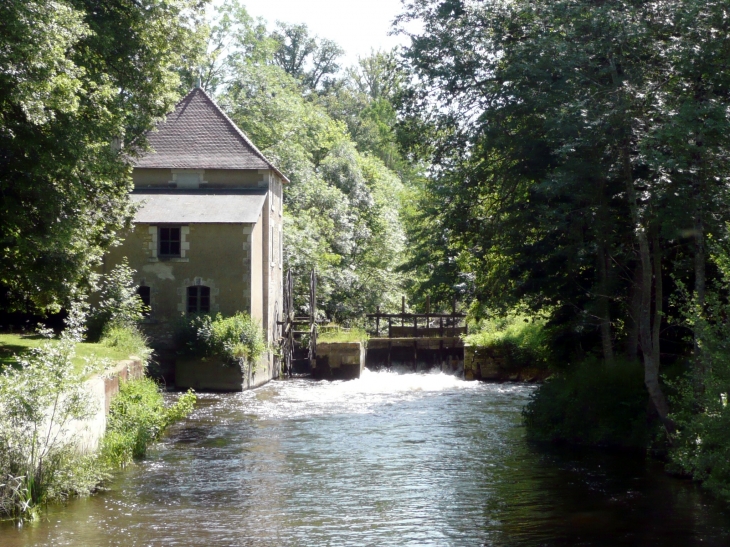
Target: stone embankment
point(86, 434)
point(339, 360)
point(213, 374)
point(491, 365)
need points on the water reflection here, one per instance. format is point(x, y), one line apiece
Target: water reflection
point(385, 460)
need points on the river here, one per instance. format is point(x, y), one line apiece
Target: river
point(389, 459)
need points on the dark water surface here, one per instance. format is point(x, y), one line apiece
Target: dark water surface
point(385, 460)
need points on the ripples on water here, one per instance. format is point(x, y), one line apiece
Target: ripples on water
point(389, 459)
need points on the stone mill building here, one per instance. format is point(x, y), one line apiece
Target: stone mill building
point(207, 236)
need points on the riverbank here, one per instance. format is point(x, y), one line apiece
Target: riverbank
point(389, 459)
point(54, 439)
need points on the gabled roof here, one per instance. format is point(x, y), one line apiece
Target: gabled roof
point(198, 135)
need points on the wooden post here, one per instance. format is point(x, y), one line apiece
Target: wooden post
point(377, 323)
point(415, 343)
point(453, 319)
point(402, 309)
point(441, 342)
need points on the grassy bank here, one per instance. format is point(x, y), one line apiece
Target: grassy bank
point(43, 392)
point(334, 333)
point(13, 346)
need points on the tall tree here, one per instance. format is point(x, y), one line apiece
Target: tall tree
point(75, 77)
point(574, 148)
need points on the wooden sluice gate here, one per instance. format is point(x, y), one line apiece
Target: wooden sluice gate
point(417, 340)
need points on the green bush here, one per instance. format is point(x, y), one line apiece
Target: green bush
point(119, 304)
point(521, 340)
point(235, 339)
point(592, 404)
point(137, 417)
point(126, 338)
point(38, 463)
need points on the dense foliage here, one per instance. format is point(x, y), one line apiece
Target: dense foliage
point(137, 417)
point(40, 400)
point(76, 78)
point(118, 305)
point(333, 138)
point(592, 405)
point(520, 340)
point(235, 339)
point(578, 155)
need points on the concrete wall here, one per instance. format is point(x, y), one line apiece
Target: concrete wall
point(87, 434)
point(339, 360)
point(211, 374)
point(489, 364)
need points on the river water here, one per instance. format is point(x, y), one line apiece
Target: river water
point(389, 459)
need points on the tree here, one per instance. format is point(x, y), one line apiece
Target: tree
point(311, 60)
point(75, 77)
point(571, 156)
point(342, 207)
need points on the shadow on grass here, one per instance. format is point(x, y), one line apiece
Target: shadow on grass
point(10, 351)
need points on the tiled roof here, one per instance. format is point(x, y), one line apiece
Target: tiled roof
point(198, 135)
point(198, 207)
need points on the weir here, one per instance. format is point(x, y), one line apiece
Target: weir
point(416, 341)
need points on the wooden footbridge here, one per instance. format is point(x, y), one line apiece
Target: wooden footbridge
point(406, 339)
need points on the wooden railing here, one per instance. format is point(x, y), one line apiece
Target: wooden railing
point(418, 325)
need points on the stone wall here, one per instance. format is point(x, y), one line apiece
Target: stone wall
point(211, 374)
point(86, 434)
point(489, 364)
point(339, 360)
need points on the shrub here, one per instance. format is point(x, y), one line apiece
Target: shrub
point(523, 341)
point(119, 304)
point(592, 404)
point(236, 339)
point(127, 338)
point(39, 400)
point(137, 417)
point(701, 446)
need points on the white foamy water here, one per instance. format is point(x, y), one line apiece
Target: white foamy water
point(367, 394)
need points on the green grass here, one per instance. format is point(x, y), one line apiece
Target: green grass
point(18, 344)
point(329, 334)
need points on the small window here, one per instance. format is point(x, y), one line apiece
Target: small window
point(199, 299)
point(145, 295)
point(169, 241)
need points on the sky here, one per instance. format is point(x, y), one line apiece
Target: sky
point(356, 26)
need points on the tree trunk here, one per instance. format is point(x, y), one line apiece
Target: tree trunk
point(603, 306)
point(701, 367)
point(651, 365)
point(632, 340)
point(658, 298)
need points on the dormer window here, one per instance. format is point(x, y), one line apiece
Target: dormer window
point(168, 239)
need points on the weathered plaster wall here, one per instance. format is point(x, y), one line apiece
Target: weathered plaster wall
point(256, 273)
point(214, 258)
point(212, 178)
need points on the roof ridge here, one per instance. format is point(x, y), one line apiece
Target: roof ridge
point(240, 133)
